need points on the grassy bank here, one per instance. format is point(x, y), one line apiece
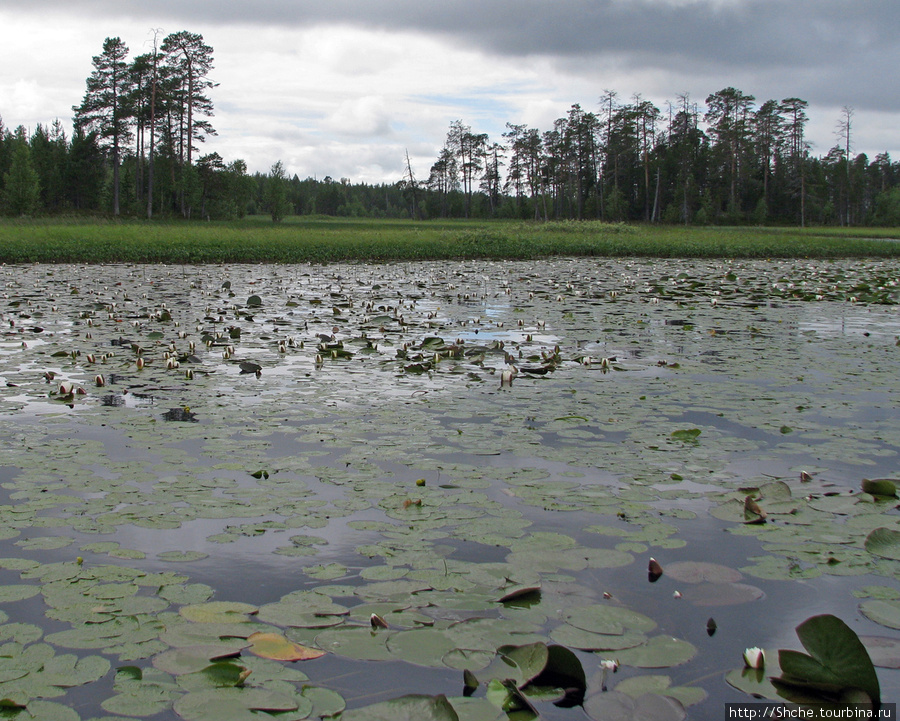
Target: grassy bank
point(304, 240)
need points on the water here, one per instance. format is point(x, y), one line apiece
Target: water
point(328, 453)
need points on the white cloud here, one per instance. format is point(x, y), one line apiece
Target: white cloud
point(345, 88)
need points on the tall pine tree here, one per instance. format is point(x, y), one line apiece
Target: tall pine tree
point(105, 107)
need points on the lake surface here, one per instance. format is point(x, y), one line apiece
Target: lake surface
point(483, 454)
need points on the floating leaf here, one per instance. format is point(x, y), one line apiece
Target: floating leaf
point(13, 592)
point(406, 708)
point(608, 619)
point(658, 652)
point(618, 706)
point(700, 571)
point(884, 542)
point(276, 647)
point(181, 556)
point(837, 660)
point(722, 594)
point(880, 487)
point(237, 703)
point(218, 612)
point(637, 686)
point(686, 435)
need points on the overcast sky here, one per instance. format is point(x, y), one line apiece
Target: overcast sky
point(346, 87)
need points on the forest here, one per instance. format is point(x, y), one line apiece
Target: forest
point(135, 152)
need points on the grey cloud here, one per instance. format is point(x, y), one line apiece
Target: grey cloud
point(849, 42)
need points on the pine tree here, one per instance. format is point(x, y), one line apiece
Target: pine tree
point(105, 107)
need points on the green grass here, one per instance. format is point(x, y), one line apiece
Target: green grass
point(319, 239)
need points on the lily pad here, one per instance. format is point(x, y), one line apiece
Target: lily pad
point(406, 708)
point(276, 647)
point(218, 612)
point(607, 619)
point(884, 542)
point(637, 686)
point(233, 704)
point(884, 652)
point(618, 706)
point(700, 571)
point(658, 652)
point(13, 592)
point(837, 660)
point(722, 594)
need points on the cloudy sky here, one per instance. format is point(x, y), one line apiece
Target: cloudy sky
point(346, 87)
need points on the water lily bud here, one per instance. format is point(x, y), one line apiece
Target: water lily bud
point(755, 658)
point(139, 363)
point(377, 621)
point(654, 570)
point(608, 664)
point(676, 595)
point(100, 381)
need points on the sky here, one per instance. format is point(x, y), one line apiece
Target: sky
point(346, 88)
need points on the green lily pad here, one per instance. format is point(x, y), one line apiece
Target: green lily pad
point(189, 659)
point(658, 652)
point(325, 702)
point(356, 642)
point(886, 613)
point(13, 592)
point(181, 556)
point(573, 637)
point(606, 619)
point(884, 542)
point(218, 612)
point(756, 682)
point(637, 686)
point(618, 706)
point(880, 487)
point(237, 704)
point(837, 660)
point(406, 708)
point(422, 646)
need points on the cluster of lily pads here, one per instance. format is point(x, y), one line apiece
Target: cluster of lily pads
point(460, 466)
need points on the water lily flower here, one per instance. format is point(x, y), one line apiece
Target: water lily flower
point(609, 664)
point(676, 595)
point(755, 658)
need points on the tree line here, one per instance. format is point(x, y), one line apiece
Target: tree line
point(732, 162)
point(134, 151)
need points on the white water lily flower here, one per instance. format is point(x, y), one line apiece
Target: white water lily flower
point(755, 658)
point(609, 665)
